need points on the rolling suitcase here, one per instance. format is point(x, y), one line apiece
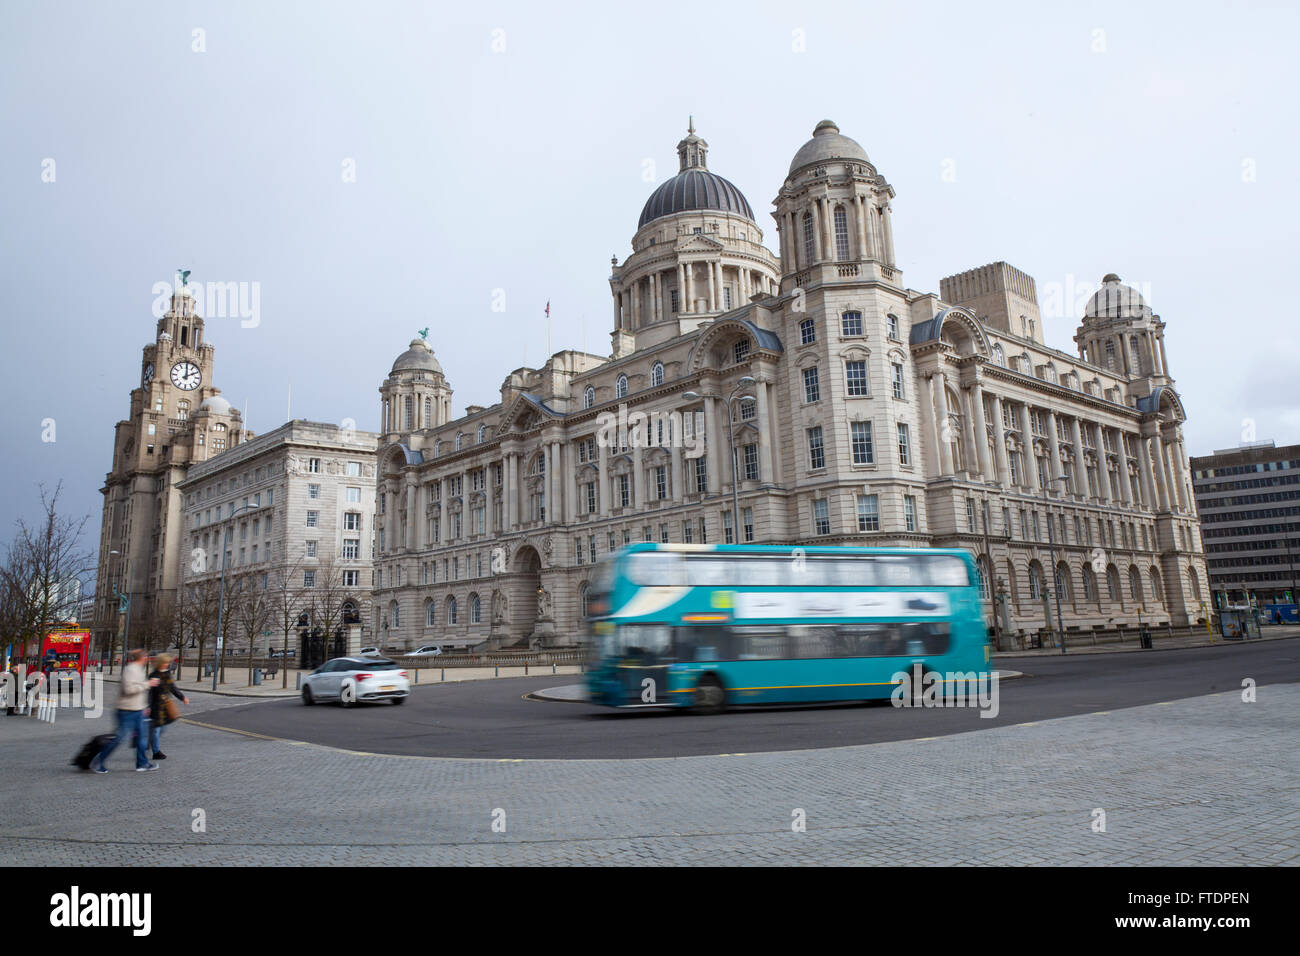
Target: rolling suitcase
point(90, 750)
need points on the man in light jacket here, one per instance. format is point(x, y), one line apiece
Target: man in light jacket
point(132, 696)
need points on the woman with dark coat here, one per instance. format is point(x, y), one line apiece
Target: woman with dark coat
point(157, 695)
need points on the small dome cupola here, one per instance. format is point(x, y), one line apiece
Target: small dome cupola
point(692, 151)
point(827, 143)
point(418, 357)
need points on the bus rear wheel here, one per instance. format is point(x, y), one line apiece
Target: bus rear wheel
point(710, 696)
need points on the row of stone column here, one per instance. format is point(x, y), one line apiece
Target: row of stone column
point(869, 235)
point(646, 300)
point(560, 479)
point(1155, 350)
point(1162, 487)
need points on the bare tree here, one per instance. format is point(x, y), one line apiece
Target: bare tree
point(200, 614)
point(252, 612)
point(327, 598)
point(286, 599)
point(41, 573)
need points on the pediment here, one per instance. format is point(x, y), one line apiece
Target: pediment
point(698, 242)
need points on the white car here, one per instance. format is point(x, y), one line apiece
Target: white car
point(349, 680)
point(370, 652)
point(428, 650)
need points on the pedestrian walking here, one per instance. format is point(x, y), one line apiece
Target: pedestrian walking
point(162, 710)
point(131, 702)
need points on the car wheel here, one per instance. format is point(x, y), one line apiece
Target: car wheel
point(398, 700)
point(710, 696)
point(307, 698)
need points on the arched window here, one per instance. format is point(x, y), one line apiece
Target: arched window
point(182, 409)
point(657, 374)
point(475, 610)
point(1157, 590)
point(1035, 581)
point(740, 351)
point(460, 437)
point(1112, 583)
point(841, 234)
point(1089, 584)
point(1195, 583)
point(451, 610)
point(620, 387)
point(482, 434)
point(397, 614)
point(982, 566)
point(1134, 584)
point(589, 397)
point(809, 247)
point(430, 613)
point(1063, 581)
point(1011, 583)
point(583, 593)
point(428, 413)
point(437, 448)
point(999, 355)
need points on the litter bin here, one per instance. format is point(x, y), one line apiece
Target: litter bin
point(207, 670)
point(257, 676)
point(1144, 638)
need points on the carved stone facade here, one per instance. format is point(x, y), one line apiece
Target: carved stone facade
point(861, 413)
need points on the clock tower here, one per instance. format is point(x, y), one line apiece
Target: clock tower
point(177, 418)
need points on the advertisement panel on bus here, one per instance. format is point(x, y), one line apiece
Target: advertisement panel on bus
point(64, 653)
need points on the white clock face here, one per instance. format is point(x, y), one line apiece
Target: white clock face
point(186, 376)
point(148, 373)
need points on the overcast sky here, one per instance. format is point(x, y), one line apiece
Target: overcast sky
point(511, 147)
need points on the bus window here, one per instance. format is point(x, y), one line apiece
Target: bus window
point(656, 569)
point(712, 572)
point(649, 643)
point(766, 572)
point(759, 643)
point(946, 571)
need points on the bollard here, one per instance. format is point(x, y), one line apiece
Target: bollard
point(297, 684)
point(417, 675)
point(444, 673)
point(497, 671)
point(552, 667)
point(525, 668)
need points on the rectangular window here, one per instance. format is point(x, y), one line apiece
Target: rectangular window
point(645, 534)
point(816, 453)
point(868, 513)
point(1037, 530)
point(811, 393)
point(851, 323)
point(701, 475)
point(313, 465)
point(674, 300)
point(591, 497)
point(807, 332)
point(726, 298)
point(661, 482)
point(354, 469)
point(704, 534)
point(351, 521)
point(727, 534)
point(747, 523)
point(897, 372)
point(309, 579)
point(863, 452)
point(663, 533)
point(891, 326)
point(624, 491)
point(909, 511)
point(311, 549)
point(904, 445)
point(313, 519)
point(855, 377)
point(580, 548)
point(688, 532)
point(351, 579)
point(1007, 529)
point(751, 462)
point(354, 495)
point(821, 516)
point(970, 515)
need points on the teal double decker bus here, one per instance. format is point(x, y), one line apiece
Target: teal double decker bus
point(708, 626)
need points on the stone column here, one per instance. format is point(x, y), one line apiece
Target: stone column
point(603, 484)
point(638, 478)
point(1080, 465)
point(634, 291)
point(1144, 469)
point(681, 288)
point(860, 220)
point(690, 285)
point(819, 252)
point(512, 491)
point(940, 422)
point(412, 516)
point(1030, 478)
point(678, 473)
point(828, 230)
point(1166, 468)
point(1053, 450)
point(714, 440)
point(1000, 445)
point(981, 430)
point(618, 312)
point(887, 253)
point(765, 435)
point(569, 453)
point(1164, 362)
point(714, 292)
point(1104, 490)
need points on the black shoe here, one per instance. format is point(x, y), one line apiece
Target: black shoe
point(159, 755)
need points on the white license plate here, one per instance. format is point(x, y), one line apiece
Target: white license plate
point(388, 687)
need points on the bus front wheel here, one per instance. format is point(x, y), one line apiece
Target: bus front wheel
point(710, 696)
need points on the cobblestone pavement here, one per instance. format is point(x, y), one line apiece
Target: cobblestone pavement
point(1205, 780)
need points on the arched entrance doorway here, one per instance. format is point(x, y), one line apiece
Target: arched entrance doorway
point(521, 609)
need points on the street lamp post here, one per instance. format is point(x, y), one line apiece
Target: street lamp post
point(221, 595)
point(741, 383)
point(123, 600)
point(988, 578)
point(1051, 540)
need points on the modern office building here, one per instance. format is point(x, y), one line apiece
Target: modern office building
point(1249, 502)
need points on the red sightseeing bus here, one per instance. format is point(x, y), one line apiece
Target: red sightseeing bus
point(64, 651)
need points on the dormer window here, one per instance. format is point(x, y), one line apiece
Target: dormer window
point(657, 374)
point(589, 397)
point(697, 230)
point(620, 387)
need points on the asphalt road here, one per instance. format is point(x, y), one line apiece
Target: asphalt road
point(493, 718)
